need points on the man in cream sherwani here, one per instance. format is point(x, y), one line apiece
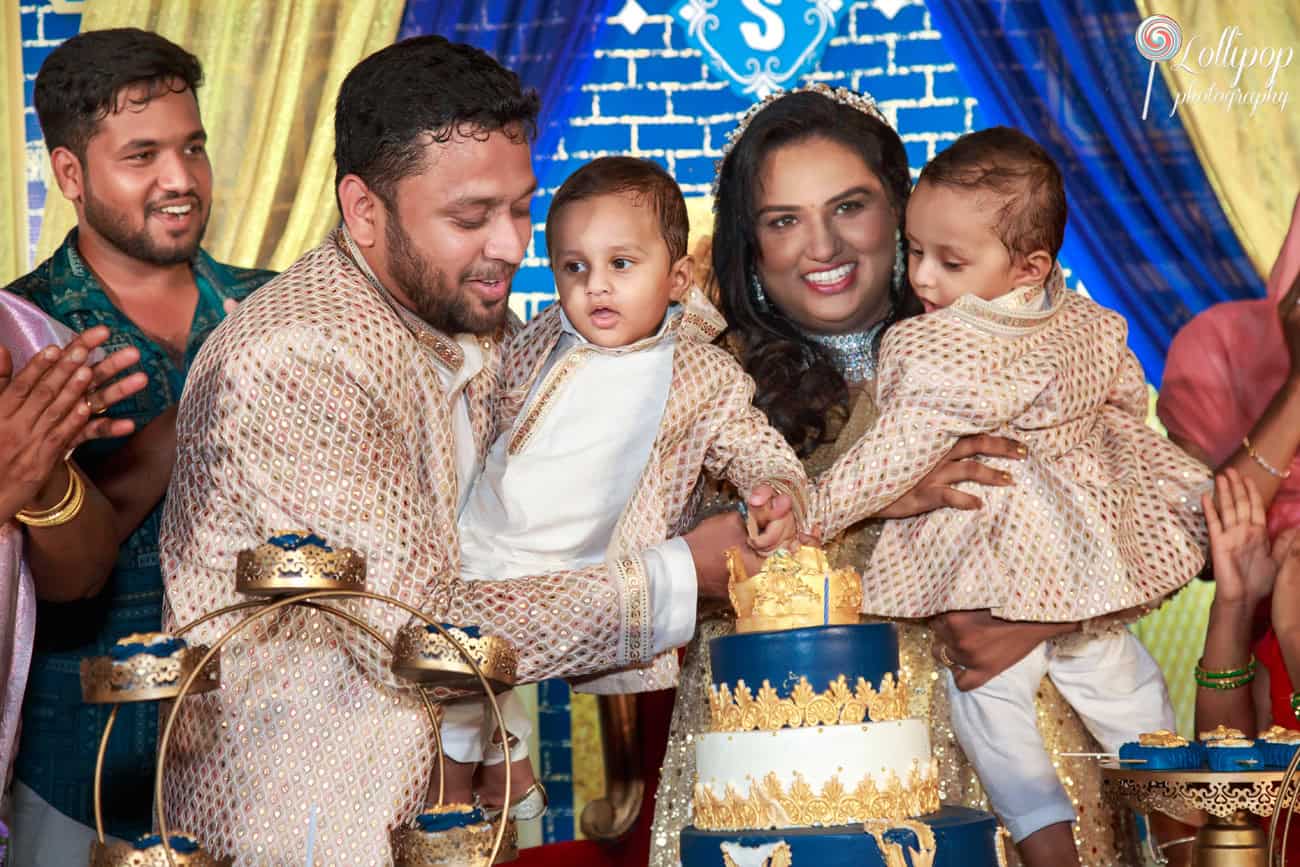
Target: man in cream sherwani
point(355, 396)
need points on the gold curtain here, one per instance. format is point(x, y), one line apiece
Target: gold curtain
point(272, 69)
point(1250, 159)
point(13, 159)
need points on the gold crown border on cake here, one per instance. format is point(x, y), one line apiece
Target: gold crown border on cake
point(144, 677)
point(740, 710)
point(271, 569)
point(769, 803)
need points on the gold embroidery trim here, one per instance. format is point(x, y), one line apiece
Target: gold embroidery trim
point(557, 376)
point(769, 804)
point(893, 853)
point(637, 593)
point(780, 857)
point(740, 710)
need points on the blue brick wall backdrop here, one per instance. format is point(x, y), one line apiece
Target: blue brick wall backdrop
point(647, 92)
point(44, 26)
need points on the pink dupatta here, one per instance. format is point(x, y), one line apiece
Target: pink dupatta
point(24, 331)
point(1224, 367)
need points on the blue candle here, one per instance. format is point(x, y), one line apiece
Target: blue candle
point(826, 602)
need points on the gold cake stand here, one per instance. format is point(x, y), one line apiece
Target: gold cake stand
point(1229, 837)
point(314, 593)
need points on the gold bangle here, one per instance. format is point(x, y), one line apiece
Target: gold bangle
point(68, 509)
point(1265, 465)
point(26, 515)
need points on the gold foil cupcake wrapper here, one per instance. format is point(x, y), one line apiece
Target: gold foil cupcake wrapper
point(269, 570)
point(467, 846)
point(769, 803)
point(122, 854)
point(430, 659)
point(790, 592)
point(740, 710)
point(145, 677)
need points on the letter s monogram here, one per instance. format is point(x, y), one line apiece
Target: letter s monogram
point(770, 36)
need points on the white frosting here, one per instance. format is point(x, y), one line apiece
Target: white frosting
point(851, 752)
point(750, 856)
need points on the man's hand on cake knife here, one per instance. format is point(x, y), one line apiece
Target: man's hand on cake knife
point(709, 543)
point(976, 646)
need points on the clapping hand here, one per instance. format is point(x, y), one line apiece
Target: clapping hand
point(1244, 564)
point(52, 405)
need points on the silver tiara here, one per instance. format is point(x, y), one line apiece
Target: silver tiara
point(863, 102)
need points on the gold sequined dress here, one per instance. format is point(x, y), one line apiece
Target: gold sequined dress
point(1105, 837)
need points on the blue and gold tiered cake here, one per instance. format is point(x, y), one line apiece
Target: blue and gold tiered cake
point(810, 758)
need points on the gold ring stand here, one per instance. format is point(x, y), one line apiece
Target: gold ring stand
point(1229, 838)
point(199, 672)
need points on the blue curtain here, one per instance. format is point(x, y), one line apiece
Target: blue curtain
point(1146, 234)
point(547, 42)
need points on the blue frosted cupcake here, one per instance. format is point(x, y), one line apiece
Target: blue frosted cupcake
point(1160, 751)
point(1277, 746)
point(1232, 754)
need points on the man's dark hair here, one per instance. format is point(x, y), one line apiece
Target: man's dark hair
point(643, 180)
point(1021, 177)
point(81, 81)
point(399, 100)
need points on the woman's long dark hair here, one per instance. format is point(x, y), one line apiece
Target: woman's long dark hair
point(799, 385)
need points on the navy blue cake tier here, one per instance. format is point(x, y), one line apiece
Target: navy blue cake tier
point(963, 838)
point(819, 653)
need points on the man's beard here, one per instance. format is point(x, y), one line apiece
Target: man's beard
point(451, 310)
point(115, 227)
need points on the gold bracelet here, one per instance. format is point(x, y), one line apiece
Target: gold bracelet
point(1265, 465)
point(67, 509)
point(25, 515)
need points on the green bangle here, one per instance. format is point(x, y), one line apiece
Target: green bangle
point(1224, 683)
point(1295, 705)
point(1248, 671)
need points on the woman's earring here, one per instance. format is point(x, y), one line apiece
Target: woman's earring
point(900, 264)
point(760, 297)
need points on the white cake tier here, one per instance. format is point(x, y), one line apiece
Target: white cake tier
point(828, 775)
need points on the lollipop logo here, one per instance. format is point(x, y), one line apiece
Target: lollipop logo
point(1202, 69)
point(1158, 39)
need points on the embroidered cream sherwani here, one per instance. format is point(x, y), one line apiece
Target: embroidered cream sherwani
point(1104, 515)
point(601, 452)
point(321, 404)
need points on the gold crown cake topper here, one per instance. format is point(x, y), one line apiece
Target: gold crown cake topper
point(793, 590)
point(296, 561)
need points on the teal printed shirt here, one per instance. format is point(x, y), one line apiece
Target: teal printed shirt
point(60, 734)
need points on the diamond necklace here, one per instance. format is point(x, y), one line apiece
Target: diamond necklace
point(854, 354)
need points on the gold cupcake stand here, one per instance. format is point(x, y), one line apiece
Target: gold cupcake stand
point(459, 665)
point(1230, 836)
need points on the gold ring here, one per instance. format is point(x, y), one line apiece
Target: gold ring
point(944, 658)
point(90, 406)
